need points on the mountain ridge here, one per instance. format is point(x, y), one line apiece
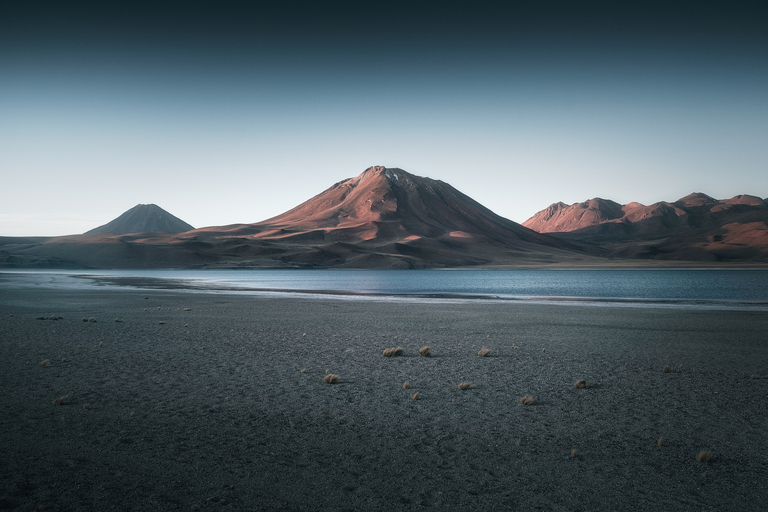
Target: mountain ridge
point(696, 227)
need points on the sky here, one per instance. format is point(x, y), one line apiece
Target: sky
point(234, 112)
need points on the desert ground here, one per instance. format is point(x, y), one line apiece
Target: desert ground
point(215, 401)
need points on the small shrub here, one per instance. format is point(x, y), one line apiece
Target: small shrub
point(660, 441)
point(526, 400)
point(666, 369)
point(92, 320)
point(406, 385)
point(465, 385)
point(415, 396)
point(704, 456)
point(85, 319)
point(392, 352)
point(44, 363)
point(331, 378)
point(581, 384)
point(425, 351)
point(60, 400)
point(86, 406)
point(484, 352)
point(573, 453)
point(755, 377)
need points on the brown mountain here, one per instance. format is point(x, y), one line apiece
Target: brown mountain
point(144, 218)
point(383, 218)
point(696, 227)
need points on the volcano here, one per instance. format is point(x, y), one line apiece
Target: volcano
point(390, 204)
point(144, 218)
point(389, 218)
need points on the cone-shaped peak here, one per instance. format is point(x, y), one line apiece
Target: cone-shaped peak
point(144, 218)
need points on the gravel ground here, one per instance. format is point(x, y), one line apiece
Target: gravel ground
point(206, 401)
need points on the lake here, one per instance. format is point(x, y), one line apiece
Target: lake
point(719, 288)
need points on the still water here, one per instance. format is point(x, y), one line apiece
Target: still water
point(745, 287)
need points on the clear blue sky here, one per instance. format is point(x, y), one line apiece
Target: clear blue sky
point(223, 113)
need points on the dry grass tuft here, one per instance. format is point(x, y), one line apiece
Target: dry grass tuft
point(660, 441)
point(60, 400)
point(44, 363)
point(581, 384)
point(704, 456)
point(406, 385)
point(331, 378)
point(415, 396)
point(86, 406)
point(465, 385)
point(573, 453)
point(391, 352)
point(666, 369)
point(425, 351)
point(484, 352)
point(526, 400)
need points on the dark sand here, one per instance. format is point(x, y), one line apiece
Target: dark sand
point(210, 410)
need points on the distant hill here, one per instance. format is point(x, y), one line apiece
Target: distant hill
point(144, 218)
point(696, 227)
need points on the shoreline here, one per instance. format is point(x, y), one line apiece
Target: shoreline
point(224, 418)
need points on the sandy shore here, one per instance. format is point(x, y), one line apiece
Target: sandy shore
point(208, 409)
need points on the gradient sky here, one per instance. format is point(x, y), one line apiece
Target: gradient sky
point(230, 112)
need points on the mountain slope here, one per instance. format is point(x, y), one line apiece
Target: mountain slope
point(144, 218)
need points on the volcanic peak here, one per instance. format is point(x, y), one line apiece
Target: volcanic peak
point(144, 218)
point(391, 204)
